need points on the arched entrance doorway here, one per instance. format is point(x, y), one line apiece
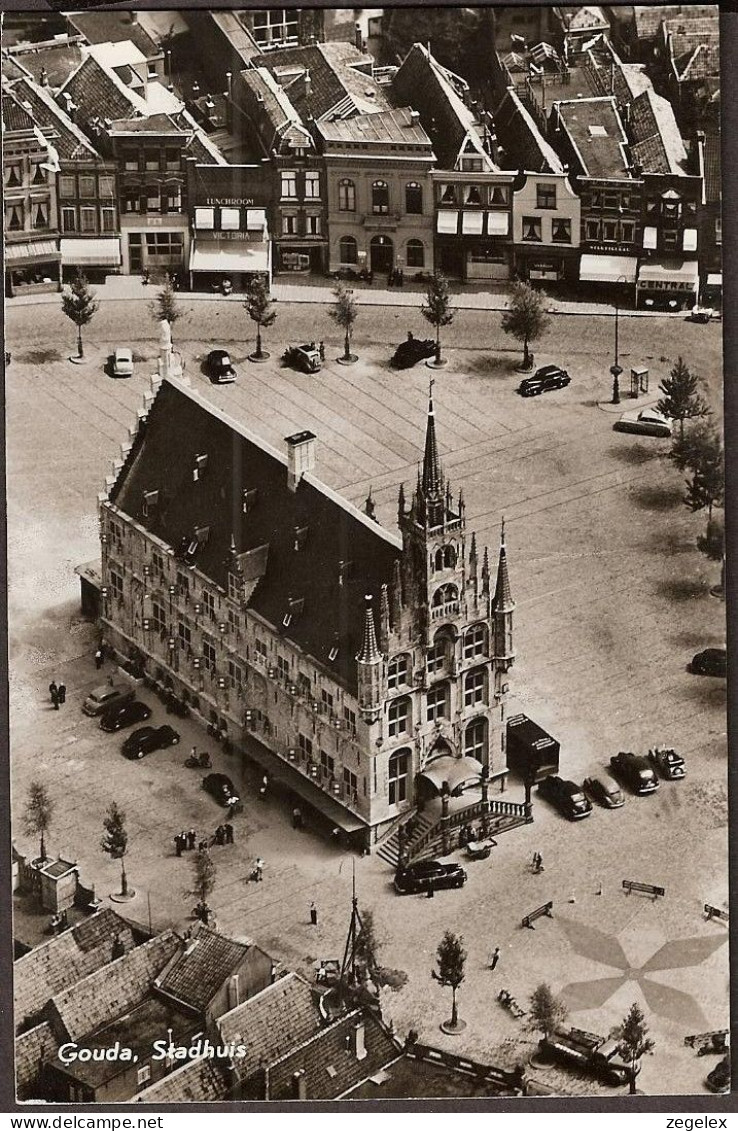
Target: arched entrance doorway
point(382, 254)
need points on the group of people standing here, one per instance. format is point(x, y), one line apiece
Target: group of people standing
point(187, 841)
point(57, 693)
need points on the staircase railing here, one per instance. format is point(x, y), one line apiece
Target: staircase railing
point(519, 812)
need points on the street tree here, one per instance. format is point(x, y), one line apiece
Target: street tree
point(165, 307)
point(204, 873)
point(451, 961)
point(115, 841)
point(260, 309)
point(437, 309)
point(80, 306)
point(525, 318)
point(634, 1041)
point(38, 814)
point(681, 398)
point(344, 313)
point(367, 945)
point(706, 484)
point(686, 450)
point(547, 1012)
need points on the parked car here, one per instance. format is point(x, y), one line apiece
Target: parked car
point(636, 772)
point(125, 715)
point(702, 314)
point(604, 790)
point(719, 1079)
point(713, 661)
point(221, 788)
point(566, 796)
point(589, 1051)
point(646, 422)
point(412, 351)
point(146, 739)
point(123, 362)
point(306, 358)
point(544, 380)
point(428, 873)
point(669, 764)
point(221, 368)
point(105, 697)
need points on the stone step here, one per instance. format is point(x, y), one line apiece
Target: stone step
point(390, 849)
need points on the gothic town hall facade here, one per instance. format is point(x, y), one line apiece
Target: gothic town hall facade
point(367, 671)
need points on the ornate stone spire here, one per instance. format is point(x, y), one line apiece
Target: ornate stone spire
point(401, 501)
point(369, 653)
point(503, 602)
point(485, 572)
point(384, 620)
point(432, 480)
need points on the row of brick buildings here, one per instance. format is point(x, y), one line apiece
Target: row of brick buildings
point(580, 173)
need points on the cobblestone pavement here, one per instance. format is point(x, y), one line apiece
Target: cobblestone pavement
point(612, 600)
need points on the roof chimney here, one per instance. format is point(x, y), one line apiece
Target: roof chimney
point(44, 77)
point(299, 1085)
point(358, 40)
point(414, 117)
point(300, 457)
point(234, 996)
point(358, 1046)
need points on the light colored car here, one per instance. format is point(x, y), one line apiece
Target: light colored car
point(646, 422)
point(123, 362)
point(603, 789)
point(105, 697)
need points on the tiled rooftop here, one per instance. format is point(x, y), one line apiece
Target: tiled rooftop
point(596, 130)
point(58, 128)
point(114, 27)
point(658, 147)
point(336, 86)
point(15, 116)
point(272, 1022)
point(402, 126)
point(198, 1081)
point(180, 427)
point(200, 969)
point(66, 959)
point(648, 18)
point(56, 62)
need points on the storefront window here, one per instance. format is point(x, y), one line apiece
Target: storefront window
point(230, 219)
point(205, 219)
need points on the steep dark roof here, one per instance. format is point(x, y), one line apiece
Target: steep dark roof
point(15, 116)
point(195, 975)
point(649, 17)
point(182, 426)
point(97, 94)
point(198, 1081)
point(658, 144)
point(336, 85)
point(272, 1022)
point(59, 62)
point(329, 1063)
point(62, 961)
point(57, 126)
point(114, 27)
point(713, 183)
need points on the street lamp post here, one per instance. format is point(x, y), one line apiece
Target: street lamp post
point(616, 369)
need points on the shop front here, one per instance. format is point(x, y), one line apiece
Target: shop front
point(712, 289)
point(667, 284)
point(608, 271)
point(32, 267)
point(546, 264)
point(154, 244)
point(300, 258)
point(220, 256)
point(95, 258)
point(473, 246)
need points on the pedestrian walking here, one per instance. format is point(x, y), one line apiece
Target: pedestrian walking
point(62, 693)
point(321, 350)
point(191, 838)
point(193, 753)
point(178, 844)
point(258, 869)
point(336, 835)
point(313, 915)
point(228, 827)
point(55, 699)
point(183, 838)
point(495, 958)
point(431, 891)
point(296, 818)
point(53, 689)
point(99, 659)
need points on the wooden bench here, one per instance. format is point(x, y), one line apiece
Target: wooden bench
point(714, 1042)
point(544, 910)
point(715, 913)
point(649, 889)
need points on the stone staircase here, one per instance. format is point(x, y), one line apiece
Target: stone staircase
point(389, 850)
point(501, 817)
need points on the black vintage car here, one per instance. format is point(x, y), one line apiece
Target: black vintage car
point(305, 358)
point(544, 380)
point(412, 351)
point(428, 873)
point(147, 739)
point(117, 718)
point(713, 661)
point(635, 772)
point(221, 788)
point(668, 762)
point(566, 796)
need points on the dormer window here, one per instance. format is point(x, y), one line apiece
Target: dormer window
point(249, 499)
point(202, 534)
point(150, 502)
point(201, 463)
point(333, 654)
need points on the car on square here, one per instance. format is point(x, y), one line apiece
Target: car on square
point(425, 874)
point(544, 380)
point(634, 771)
point(125, 715)
point(566, 796)
point(147, 739)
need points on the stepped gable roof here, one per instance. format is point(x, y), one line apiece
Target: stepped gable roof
point(328, 1061)
point(66, 959)
point(114, 27)
point(299, 537)
point(421, 81)
point(337, 87)
point(387, 126)
point(113, 989)
point(658, 145)
point(272, 1022)
point(198, 1081)
point(198, 971)
point(58, 128)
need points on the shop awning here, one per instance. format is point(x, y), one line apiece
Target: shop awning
point(447, 223)
point(715, 280)
point(458, 772)
point(498, 223)
point(472, 223)
point(91, 253)
point(650, 238)
point(608, 268)
point(229, 255)
point(31, 251)
point(690, 239)
point(674, 274)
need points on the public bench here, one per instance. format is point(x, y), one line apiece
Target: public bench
point(715, 913)
point(649, 889)
point(715, 1041)
point(546, 909)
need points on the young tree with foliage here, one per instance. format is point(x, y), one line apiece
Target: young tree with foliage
point(634, 1041)
point(344, 313)
point(367, 945)
point(547, 1012)
point(681, 398)
point(205, 873)
point(451, 960)
point(165, 307)
point(437, 309)
point(706, 485)
point(115, 841)
point(260, 309)
point(80, 306)
point(525, 318)
point(38, 814)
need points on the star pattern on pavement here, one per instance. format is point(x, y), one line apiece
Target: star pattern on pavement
point(666, 1001)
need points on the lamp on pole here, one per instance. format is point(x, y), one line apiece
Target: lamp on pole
point(616, 369)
